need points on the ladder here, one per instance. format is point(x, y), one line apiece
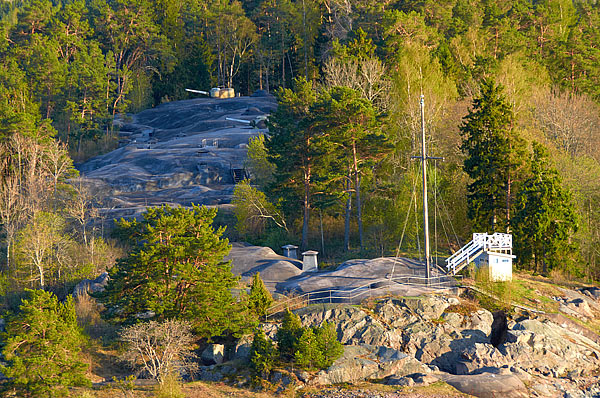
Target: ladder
point(238, 175)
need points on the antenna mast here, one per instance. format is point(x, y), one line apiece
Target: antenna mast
point(425, 210)
point(424, 159)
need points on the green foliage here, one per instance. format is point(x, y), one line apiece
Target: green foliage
point(288, 334)
point(307, 353)
point(262, 356)
point(488, 144)
point(254, 213)
point(318, 348)
point(545, 218)
point(42, 346)
point(260, 298)
point(170, 387)
point(328, 345)
point(257, 162)
point(176, 271)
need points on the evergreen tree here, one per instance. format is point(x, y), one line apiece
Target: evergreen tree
point(307, 354)
point(288, 334)
point(545, 217)
point(294, 150)
point(262, 356)
point(176, 271)
point(328, 344)
point(260, 298)
point(42, 346)
point(490, 162)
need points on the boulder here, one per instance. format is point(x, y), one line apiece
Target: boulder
point(353, 325)
point(366, 362)
point(243, 348)
point(547, 348)
point(91, 286)
point(213, 354)
point(489, 385)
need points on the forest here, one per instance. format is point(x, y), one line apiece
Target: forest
point(511, 94)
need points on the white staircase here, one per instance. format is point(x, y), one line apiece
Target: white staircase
point(481, 243)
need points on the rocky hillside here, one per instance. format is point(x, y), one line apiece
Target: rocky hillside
point(409, 342)
point(177, 153)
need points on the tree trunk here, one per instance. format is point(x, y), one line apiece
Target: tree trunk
point(357, 190)
point(347, 216)
point(306, 209)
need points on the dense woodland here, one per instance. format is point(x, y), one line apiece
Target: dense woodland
point(511, 97)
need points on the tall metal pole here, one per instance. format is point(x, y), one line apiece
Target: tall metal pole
point(425, 213)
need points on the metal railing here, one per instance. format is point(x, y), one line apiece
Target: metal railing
point(374, 288)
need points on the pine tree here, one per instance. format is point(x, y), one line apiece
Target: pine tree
point(260, 298)
point(328, 344)
point(176, 271)
point(488, 144)
point(307, 354)
point(545, 217)
point(42, 347)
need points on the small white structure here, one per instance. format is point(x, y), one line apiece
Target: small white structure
point(290, 251)
point(309, 261)
point(493, 252)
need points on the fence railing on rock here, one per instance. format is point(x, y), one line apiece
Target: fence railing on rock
point(375, 288)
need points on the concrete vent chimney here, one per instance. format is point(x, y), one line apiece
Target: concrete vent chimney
point(309, 261)
point(290, 251)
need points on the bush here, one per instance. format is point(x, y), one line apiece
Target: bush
point(169, 387)
point(260, 298)
point(262, 356)
point(308, 355)
point(288, 335)
point(162, 348)
point(318, 348)
point(328, 344)
point(42, 346)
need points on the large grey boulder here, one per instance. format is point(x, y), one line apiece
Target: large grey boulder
point(489, 385)
point(369, 362)
point(549, 348)
point(91, 285)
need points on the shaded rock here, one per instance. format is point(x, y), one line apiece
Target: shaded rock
point(243, 348)
point(499, 328)
point(368, 362)
point(400, 381)
point(593, 292)
point(91, 286)
point(213, 354)
point(487, 385)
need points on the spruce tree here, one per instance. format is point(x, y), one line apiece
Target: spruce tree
point(262, 356)
point(545, 217)
point(489, 146)
point(42, 347)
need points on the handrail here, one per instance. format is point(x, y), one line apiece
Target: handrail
point(351, 294)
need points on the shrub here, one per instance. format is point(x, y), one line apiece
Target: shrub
point(262, 356)
point(308, 355)
point(288, 334)
point(161, 348)
point(42, 346)
point(169, 387)
point(328, 344)
point(260, 298)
